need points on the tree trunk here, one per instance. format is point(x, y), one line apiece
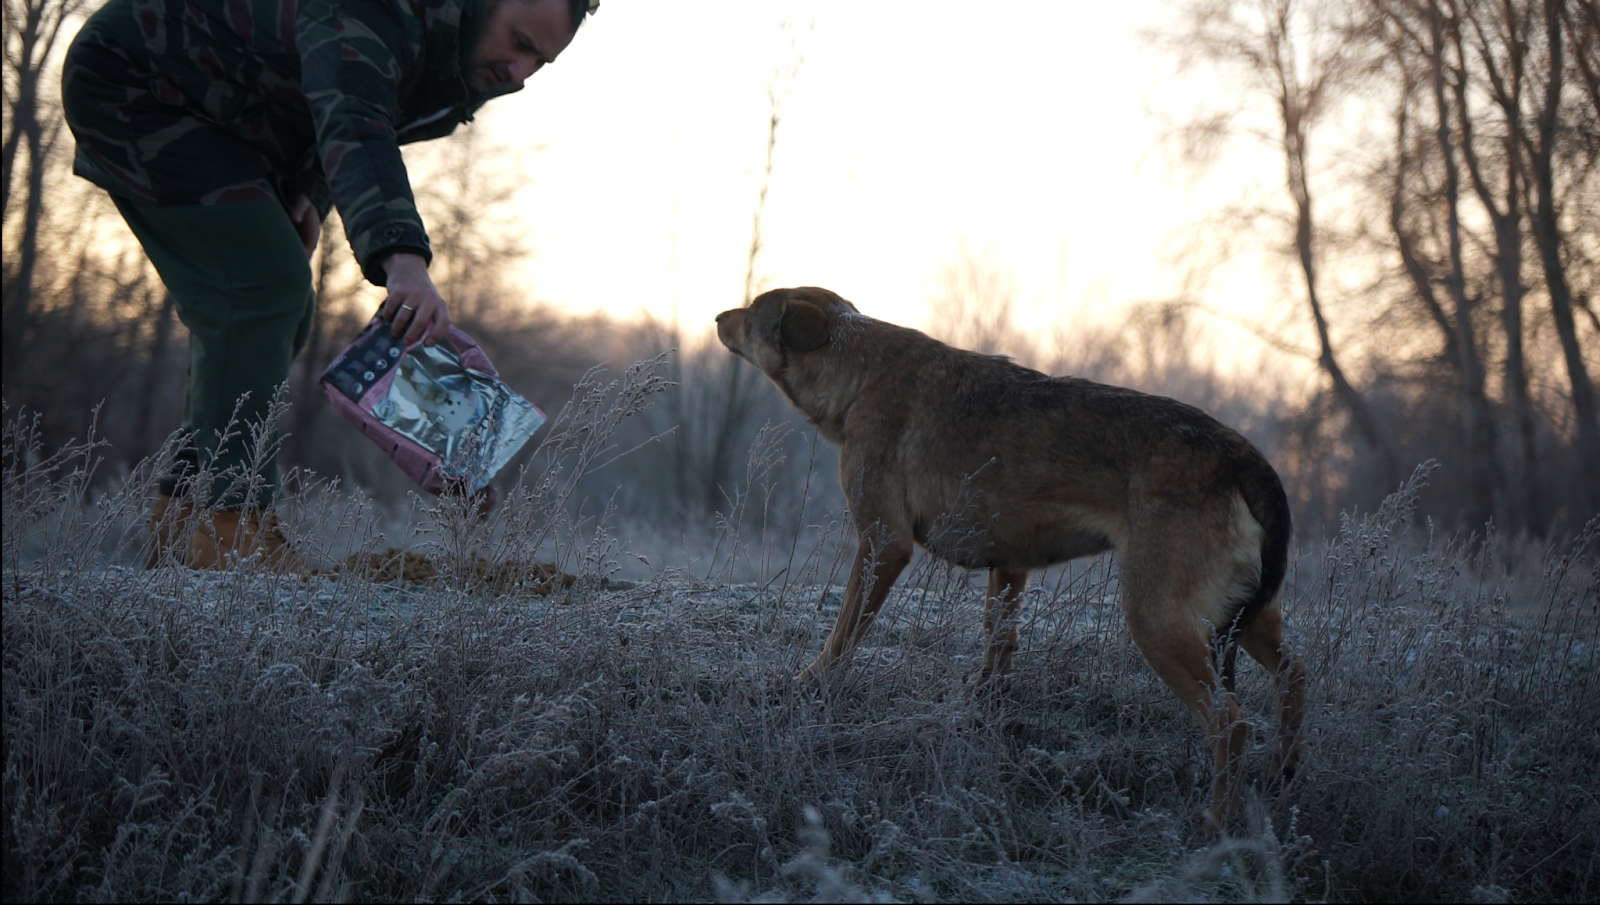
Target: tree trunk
point(25, 108)
point(1366, 425)
point(1406, 243)
point(1525, 497)
point(19, 289)
point(1508, 261)
point(1547, 233)
point(1477, 424)
point(733, 408)
point(41, 22)
point(1583, 23)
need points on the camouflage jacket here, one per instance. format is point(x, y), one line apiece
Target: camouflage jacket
point(218, 101)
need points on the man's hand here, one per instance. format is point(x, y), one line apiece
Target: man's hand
point(414, 306)
point(307, 222)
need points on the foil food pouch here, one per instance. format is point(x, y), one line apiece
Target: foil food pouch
point(440, 412)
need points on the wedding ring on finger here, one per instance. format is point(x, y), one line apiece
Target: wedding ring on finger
point(406, 308)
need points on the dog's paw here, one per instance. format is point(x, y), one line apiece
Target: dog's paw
point(813, 673)
point(1205, 824)
point(1282, 771)
point(774, 689)
point(990, 683)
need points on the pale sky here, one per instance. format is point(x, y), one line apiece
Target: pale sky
point(1020, 129)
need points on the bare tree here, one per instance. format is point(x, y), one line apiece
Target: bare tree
point(1582, 21)
point(1541, 151)
point(34, 122)
point(1477, 422)
point(32, 32)
point(466, 188)
point(972, 304)
point(1425, 209)
point(1502, 61)
point(1468, 52)
point(1484, 164)
point(723, 420)
point(1301, 58)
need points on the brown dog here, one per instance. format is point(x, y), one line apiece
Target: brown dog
point(991, 465)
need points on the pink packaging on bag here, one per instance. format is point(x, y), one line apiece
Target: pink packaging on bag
point(440, 412)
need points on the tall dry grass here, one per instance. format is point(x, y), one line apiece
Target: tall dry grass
point(242, 735)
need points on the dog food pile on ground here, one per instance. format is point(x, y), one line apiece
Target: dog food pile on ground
point(536, 578)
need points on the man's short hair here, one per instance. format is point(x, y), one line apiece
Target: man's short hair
point(577, 10)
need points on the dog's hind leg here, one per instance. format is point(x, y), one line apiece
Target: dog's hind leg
point(1169, 617)
point(1262, 638)
point(1181, 656)
point(1001, 601)
point(878, 563)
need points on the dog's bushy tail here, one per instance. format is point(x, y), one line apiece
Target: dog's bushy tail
point(1264, 496)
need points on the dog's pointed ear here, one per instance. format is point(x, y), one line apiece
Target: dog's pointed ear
point(804, 327)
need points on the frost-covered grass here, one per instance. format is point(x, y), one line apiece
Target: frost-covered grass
point(177, 735)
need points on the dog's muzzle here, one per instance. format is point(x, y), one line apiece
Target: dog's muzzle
point(730, 326)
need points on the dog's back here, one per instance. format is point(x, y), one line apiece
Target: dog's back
point(1044, 468)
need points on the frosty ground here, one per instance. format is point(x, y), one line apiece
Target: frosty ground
point(491, 734)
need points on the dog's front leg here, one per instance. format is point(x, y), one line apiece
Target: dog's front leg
point(1000, 605)
point(878, 563)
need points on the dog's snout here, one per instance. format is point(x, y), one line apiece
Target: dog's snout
point(728, 329)
point(729, 323)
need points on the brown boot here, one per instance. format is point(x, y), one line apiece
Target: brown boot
point(171, 524)
point(234, 534)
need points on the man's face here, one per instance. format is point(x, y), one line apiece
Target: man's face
point(519, 37)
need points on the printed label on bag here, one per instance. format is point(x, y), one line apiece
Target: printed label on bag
point(365, 361)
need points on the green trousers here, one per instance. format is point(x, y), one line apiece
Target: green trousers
point(241, 283)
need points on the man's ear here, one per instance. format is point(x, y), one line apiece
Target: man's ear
point(804, 327)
